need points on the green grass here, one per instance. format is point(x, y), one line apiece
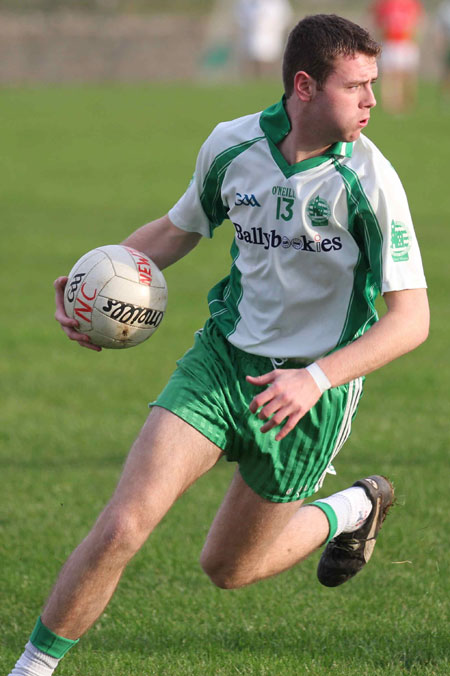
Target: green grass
point(81, 167)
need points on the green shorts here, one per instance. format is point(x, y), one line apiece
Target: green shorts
point(209, 391)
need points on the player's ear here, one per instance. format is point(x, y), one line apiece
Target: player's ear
point(304, 86)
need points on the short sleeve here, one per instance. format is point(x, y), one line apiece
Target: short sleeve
point(401, 262)
point(200, 209)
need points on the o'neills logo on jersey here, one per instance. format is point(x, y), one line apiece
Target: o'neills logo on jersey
point(272, 240)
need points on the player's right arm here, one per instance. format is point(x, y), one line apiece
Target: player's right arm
point(161, 240)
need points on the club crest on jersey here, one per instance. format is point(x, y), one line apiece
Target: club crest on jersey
point(400, 242)
point(318, 211)
point(246, 200)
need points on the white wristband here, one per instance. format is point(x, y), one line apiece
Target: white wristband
point(319, 377)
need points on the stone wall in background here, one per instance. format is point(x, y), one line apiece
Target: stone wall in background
point(76, 47)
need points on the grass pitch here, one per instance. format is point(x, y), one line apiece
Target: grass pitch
point(82, 167)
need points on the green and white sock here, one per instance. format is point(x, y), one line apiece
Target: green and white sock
point(346, 511)
point(34, 662)
point(42, 653)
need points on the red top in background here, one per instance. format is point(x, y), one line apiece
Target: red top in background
point(397, 19)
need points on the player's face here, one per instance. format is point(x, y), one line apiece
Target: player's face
point(343, 105)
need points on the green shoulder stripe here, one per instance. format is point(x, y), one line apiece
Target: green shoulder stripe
point(363, 223)
point(364, 227)
point(210, 197)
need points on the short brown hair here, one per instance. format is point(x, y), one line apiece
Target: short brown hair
point(316, 41)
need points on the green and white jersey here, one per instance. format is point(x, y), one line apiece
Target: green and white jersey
point(314, 243)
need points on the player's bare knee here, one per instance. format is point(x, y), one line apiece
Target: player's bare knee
point(210, 565)
point(221, 577)
point(121, 531)
point(219, 571)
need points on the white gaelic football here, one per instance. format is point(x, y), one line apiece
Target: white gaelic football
point(117, 294)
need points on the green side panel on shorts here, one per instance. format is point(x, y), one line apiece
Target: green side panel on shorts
point(211, 195)
point(50, 643)
point(224, 297)
point(367, 277)
point(194, 394)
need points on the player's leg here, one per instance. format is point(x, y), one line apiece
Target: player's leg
point(252, 538)
point(168, 456)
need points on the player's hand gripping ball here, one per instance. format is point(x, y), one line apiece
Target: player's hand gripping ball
point(117, 294)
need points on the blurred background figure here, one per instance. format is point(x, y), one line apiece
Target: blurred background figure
point(262, 30)
point(217, 59)
point(398, 23)
point(443, 29)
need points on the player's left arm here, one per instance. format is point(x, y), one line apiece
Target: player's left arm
point(403, 328)
point(291, 393)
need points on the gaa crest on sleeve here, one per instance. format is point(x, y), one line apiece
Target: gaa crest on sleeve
point(400, 242)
